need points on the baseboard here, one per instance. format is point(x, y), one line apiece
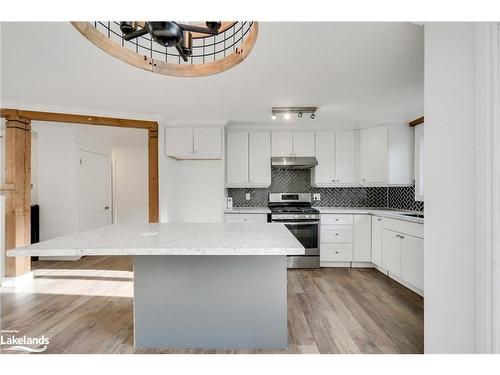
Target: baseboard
point(362, 265)
point(335, 264)
point(12, 282)
point(348, 264)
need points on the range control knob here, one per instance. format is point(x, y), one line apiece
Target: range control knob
point(308, 216)
point(296, 216)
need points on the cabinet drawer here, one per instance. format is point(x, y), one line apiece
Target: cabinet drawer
point(336, 219)
point(336, 234)
point(406, 227)
point(335, 252)
point(245, 218)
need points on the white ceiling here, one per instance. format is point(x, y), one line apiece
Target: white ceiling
point(357, 73)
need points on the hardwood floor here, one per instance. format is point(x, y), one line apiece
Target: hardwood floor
point(86, 307)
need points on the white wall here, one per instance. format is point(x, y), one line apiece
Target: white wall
point(55, 149)
point(450, 187)
point(130, 185)
point(190, 190)
point(54, 167)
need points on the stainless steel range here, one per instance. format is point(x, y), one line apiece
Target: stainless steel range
point(295, 211)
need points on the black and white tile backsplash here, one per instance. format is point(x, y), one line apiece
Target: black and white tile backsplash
point(299, 181)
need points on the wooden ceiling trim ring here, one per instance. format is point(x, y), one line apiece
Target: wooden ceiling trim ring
point(28, 116)
point(417, 121)
point(157, 66)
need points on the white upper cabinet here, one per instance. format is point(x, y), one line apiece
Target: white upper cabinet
point(237, 159)
point(324, 173)
point(303, 143)
point(386, 155)
point(259, 159)
point(373, 154)
point(194, 143)
point(248, 159)
point(179, 141)
point(208, 142)
point(282, 144)
point(345, 157)
point(299, 143)
point(336, 155)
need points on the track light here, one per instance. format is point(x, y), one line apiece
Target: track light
point(288, 111)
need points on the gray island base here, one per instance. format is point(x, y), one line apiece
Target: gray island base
point(197, 286)
point(210, 302)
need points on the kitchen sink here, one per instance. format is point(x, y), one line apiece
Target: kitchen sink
point(420, 216)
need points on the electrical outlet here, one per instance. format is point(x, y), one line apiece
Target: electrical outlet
point(316, 197)
point(247, 196)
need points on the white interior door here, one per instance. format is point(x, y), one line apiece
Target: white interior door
point(94, 190)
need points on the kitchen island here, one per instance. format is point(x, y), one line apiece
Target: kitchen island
point(213, 286)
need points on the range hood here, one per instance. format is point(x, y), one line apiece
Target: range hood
point(294, 162)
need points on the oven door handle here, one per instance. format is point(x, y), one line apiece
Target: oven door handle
point(297, 223)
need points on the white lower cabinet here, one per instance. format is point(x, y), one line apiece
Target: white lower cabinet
point(377, 241)
point(331, 252)
point(392, 252)
point(345, 239)
point(403, 253)
point(362, 249)
point(245, 218)
point(413, 261)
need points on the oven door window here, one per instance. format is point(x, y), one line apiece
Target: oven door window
point(307, 234)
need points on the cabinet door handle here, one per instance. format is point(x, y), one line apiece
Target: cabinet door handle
point(379, 219)
point(336, 252)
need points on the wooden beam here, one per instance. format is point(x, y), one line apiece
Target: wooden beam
point(17, 187)
point(154, 211)
point(22, 115)
point(17, 201)
point(417, 121)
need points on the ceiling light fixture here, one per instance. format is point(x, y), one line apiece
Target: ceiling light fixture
point(287, 111)
point(184, 49)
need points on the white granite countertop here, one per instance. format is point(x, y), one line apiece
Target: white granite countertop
point(171, 239)
point(247, 210)
point(394, 214)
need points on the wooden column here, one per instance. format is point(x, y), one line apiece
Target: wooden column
point(17, 201)
point(154, 212)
